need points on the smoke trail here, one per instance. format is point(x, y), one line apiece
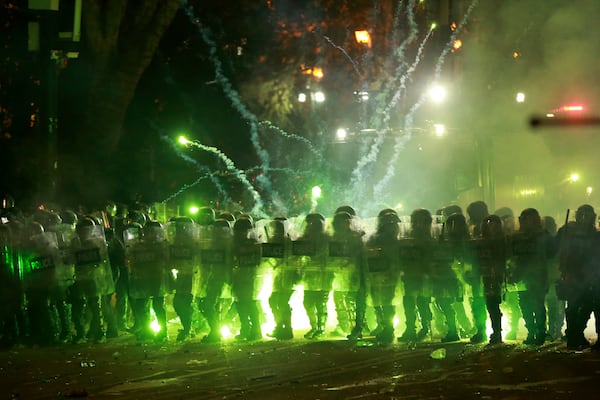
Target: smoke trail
point(233, 96)
point(381, 124)
point(269, 125)
point(402, 139)
point(345, 53)
point(229, 165)
point(201, 168)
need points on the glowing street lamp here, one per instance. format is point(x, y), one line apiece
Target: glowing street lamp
point(319, 97)
point(341, 134)
point(363, 37)
point(439, 129)
point(437, 93)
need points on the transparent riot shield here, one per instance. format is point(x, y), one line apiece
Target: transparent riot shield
point(92, 265)
point(43, 267)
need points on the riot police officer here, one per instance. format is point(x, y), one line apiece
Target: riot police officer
point(246, 282)
point(277, 253)
point(149, 277)
point(346, 255)
point(311, 250)
point(9, 288)
point(93, 279)
point(578, 243)
point(489, 263)
point(477, 212)
point(216, 259)
point(555, 307)
point(382, 270)
point(416, 264)
point(445, 284)
point(532, 247)
point(510, 304)
point(183, 256)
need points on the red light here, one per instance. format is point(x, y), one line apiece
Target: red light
point(572, 108)
point(569, 109)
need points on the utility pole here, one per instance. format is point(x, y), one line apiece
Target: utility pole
point(56, 42)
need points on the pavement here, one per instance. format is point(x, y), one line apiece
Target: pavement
point(328, 368)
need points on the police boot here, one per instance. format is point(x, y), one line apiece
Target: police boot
point(480, 319)
point(496, 320)
point(182, 303)
point(450, 317)
point(321, 321)
point(96, 333)
point(286, 332)
point(161, 317)
point(410, 334)
point(312, 319)
point(386, 336)
point(379, 319)
point(254, 317)
point(64, 321)
point(426, 316)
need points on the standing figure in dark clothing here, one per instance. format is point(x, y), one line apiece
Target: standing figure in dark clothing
point(555, 307)
point(477, 212)
point(383, 269)
point(578, 244)
point(310, 252)
point(531, 249)
point(246, 284)
point(489, 251)
point(416, 262)
point(277, 252)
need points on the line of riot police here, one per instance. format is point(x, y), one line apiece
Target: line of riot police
point(440, 276)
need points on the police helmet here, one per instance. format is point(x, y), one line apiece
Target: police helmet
point(68, 217)
point(227, 215)
point(421, 215)
point(346, 208)
point(32, 229)
point(243, 225)
point(206, 216)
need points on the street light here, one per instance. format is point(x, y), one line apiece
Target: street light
point(363, 37)
point(437, 93)
point(341, 134)
point(319, 97)
point(439, 129)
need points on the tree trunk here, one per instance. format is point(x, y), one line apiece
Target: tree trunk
point(121, 38)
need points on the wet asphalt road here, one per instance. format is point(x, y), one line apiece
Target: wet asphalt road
point(330, 368)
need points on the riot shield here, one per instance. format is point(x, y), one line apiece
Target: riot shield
point(92, 266)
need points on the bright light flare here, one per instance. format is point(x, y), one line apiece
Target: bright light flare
point(574, 177)
point(589, 190)
point(319, 97)
point(437, 93)
point(363, 37)
point(183, 140)
point(194, 210)
point(457, 45)
point(341, 134)
point(302, 97)
point(439, 129)
point(154, 325)
point(520, 97)
point(316, 192)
